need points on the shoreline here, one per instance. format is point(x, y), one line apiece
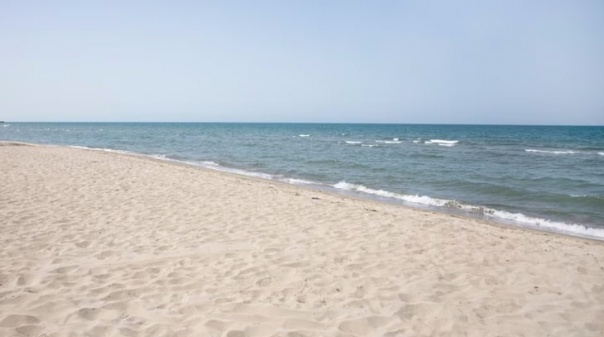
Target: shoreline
point(459, 209)
point(321, 188)
point(102, 243)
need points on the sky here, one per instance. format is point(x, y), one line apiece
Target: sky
point(406, 61)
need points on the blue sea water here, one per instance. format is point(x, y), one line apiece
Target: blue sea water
point(544, 177)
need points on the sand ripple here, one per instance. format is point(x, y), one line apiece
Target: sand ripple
point(100, 244)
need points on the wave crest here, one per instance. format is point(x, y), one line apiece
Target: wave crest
point(551, 151)
point(515, 218)
point(442, 142)
point(393, 141)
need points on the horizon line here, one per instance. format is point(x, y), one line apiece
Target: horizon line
point(349, 123)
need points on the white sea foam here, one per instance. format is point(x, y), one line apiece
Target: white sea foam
point(239, 171)
point(515, 218)
point(304, 135)
point(419, 140)
point(117, 151)
point(551, 151)
point(423, 200)
point(210, 163)
point(442, 142)
point(298, 181)
point(393, 141)
point(206, 164)
point(215, 166)
point(496, 215)
point(353, 142)
point(589, 196)
point(601, 153)
point(560, 227)
point(103, 149)
point(369, 145)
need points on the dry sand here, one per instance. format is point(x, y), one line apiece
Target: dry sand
point(103, 244)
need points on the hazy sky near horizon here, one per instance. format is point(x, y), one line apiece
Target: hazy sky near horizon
point(468, 61)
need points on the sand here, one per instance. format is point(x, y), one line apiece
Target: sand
point(103, 244)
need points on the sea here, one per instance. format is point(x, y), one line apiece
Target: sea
point(547, 178)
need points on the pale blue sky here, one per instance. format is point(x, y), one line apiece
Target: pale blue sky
point(494, 62)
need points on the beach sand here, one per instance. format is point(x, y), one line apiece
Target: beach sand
point(102, 244)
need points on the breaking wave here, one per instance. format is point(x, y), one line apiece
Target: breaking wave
point(103, 149)
point(442, 142)
point(515, 218)
point(551, 151)
point(392, 141)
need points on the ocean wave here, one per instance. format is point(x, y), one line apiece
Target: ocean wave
point(419, 200)
point(393, 141)
point(551, 151)
point(103, 149)
point(353, 142)
point(210, 163)
point(294, 181)
point(217, 167)
point(442, 142)
point(497, 215)
point(303, 135)
point(554, 226)
point(423, 200)
point(235, 171)
point(589, 197)
point(369, 145)
point(601, 153)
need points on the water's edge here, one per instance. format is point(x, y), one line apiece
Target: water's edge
point(451, 207)
point(546, 178)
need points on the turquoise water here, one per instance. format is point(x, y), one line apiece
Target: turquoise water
point(545, 177)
